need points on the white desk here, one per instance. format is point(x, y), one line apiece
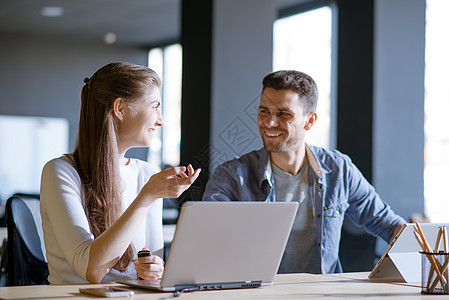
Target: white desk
point(346, 286)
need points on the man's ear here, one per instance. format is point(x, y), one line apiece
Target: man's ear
point(119, 108)
point(311, 119)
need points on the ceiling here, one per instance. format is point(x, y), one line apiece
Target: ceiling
point(134, 22)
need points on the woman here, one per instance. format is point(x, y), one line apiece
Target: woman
point(98, 207)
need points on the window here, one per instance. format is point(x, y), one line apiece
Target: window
point(436, 151)
point(165, 144)
point(303, 42)
point(28, 143)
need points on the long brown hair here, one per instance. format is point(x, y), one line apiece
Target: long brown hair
point(96, 150)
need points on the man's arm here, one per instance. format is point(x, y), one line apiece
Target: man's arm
point(395, 232)
point(367, 208)
point(221, 186)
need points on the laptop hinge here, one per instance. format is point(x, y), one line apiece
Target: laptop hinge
point(223, 285)
point(254, 283)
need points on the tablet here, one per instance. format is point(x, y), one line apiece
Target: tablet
point(401, 262)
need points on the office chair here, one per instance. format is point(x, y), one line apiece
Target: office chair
point(26, 264)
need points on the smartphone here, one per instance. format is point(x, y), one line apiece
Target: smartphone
point(108, 292)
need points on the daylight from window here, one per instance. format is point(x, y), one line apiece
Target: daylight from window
point(156, 62)
point(165, 145)
point(303, 42)
point(436, 126)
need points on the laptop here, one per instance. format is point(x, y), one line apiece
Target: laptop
point(221, 245)
point(401, 262)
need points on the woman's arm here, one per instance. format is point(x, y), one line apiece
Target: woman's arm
point(66, 228)
point(107, 249)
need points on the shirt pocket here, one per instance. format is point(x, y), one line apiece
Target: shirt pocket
point(333, 215)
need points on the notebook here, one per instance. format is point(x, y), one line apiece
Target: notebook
point(401, 262)
point(219, 245)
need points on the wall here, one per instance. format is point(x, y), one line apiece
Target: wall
point(42, 77)
point(398, 146)
point(242, 56)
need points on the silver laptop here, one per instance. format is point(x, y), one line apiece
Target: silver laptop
point(401, 262)
point(219, 245)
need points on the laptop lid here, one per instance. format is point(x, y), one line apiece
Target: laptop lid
point(226, 245)
point(223, 242)
point(401, 261)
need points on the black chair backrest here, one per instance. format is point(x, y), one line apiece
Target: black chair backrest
point(27, 264)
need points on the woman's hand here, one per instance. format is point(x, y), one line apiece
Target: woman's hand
point(149, 267)
point(171, 183)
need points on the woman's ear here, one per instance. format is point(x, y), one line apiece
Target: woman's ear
point(119, 108)
point(311, 119)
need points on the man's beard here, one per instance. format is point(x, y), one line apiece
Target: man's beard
point(283, 146)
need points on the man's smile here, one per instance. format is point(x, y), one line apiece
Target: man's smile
point(271, 133)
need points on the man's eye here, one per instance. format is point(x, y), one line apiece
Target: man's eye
point(284, 114)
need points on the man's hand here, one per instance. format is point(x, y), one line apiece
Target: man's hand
point(395, 232)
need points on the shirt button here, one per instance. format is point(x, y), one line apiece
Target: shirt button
point(318, 215)
point(319, 245)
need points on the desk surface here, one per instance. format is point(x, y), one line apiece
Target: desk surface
point(286, 286)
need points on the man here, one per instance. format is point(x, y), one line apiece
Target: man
point(324, 182)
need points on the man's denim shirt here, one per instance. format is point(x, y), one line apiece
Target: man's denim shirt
point(336, 187)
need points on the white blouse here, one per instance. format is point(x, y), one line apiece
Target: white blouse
point(66, 228)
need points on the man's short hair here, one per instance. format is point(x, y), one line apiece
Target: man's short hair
point(295, 81)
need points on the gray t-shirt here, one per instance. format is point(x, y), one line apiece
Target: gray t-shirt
point(301, 254)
